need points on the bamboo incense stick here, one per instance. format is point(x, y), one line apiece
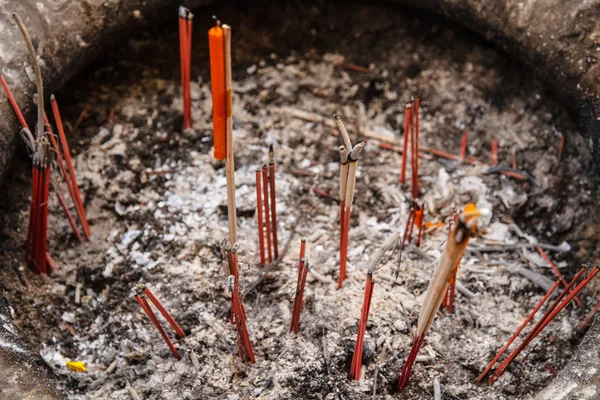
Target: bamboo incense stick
point(230, 164)
point(453, 252)
point(343, 184)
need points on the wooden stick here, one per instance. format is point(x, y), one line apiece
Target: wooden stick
point(230, 164)
point(343, 184)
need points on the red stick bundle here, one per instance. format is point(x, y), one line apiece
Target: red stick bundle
point(299, 297)
point(548, 316)
point(362, 326)
point(244, 345)
point(555, 270)
point(76, 195)
point(148, 310)
point(259, 216)
point(35, 248)
point(516, 334)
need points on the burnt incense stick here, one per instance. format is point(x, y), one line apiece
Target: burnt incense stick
point(141, 299)
point(415, 150)
point(494, 152)
point(374, 265)
point(518, 332)
point(273, 201)
point(453, 252)
point(407, 121)
point(552, 311)
point(555, 270)
point(76, 196)
point(303, 266)
point(343, 184)
point(259, 217)
point(463, 146)
point(267, 211)
point(589, 317)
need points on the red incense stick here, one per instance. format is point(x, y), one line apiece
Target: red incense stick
point(362, 326)
point(265, 183)
point(259, 215)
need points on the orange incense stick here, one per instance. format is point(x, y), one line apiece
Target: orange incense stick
point(217, 74)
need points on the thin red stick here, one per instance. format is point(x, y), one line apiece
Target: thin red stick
point(463, 146)
point(165, 313)
point(298, 299)
point(148, 310)
point(301, 257)
point(65, 208)
point(415, 151)
point(362, 326)
point(259, 216)
point(273, 209)
point(190, 123)
point(494, 152)
point(409, 222)
point(50, 262)
point(518, 332)
point(555, 270)
point(13, 102)
point(407, 119)
point(182, 60)
point(561, 145)
point(67, 154)
point(589, 317)
point(546, 318)
point(240, 316)
point(412, 356)
point(83, 114)
point(265, 183)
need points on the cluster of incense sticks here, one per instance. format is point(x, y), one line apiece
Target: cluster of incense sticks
point(411, 140)
point(348, 166)
point(562, 300)
point(36, 245)
point(364, 316)
point(266, 210)
point(140, 292)
point(238, 313)
point(299, 295)
point(449, 260)
point(185, 55)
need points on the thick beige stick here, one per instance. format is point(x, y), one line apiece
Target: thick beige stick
point(38, 77)
point(230, 164)
point(343, 172)
point(351, 180)
point(449, 260)
point(381, 250)
point(344, 132)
